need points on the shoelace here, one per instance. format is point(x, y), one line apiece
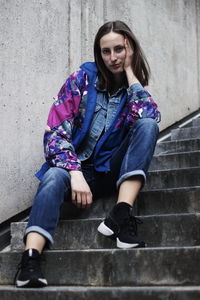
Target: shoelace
point(132, 223)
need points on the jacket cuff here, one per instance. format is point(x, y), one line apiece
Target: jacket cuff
point(134, 88)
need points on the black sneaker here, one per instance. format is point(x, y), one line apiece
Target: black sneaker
point(122, 226)
point(30, 274)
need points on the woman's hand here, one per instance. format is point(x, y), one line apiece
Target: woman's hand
point(81, 193)
point(131, 78)
point(129, 55)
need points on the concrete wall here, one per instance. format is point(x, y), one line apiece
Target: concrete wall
point(41, 42)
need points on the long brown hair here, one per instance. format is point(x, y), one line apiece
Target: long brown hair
point(140, 65)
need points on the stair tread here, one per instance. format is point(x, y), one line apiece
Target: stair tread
point(101, 288)
point(156, 230)
point(186, 128)
point(175, 160)
point(171, 178)
point(174, 170)
point(119, 267)
point(172, 189)
point(193, 214)
point(178, 141)
point(112, 251)
point(176, 146)
point(185, 133)
point(99, 293)
point(177, 153)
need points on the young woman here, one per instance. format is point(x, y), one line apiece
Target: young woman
point(101, 134)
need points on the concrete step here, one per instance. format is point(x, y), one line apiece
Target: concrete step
point(176, 160)
point(157, 231)
point(165, 179)
point(99, 208)
point(196, 122)
point(162, 201)
point(168, 201)
point(113, 267)
point(177, 146)
point(185, 133)
point(102, 293)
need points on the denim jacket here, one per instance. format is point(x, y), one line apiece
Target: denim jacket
point(106, 108)
point(71, 115)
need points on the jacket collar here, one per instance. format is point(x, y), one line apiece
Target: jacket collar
point(91, 70)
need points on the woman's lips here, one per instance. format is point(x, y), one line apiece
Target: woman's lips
point(116, 66)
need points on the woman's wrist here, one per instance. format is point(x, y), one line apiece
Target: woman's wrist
point(131, 78)
point(75, 173)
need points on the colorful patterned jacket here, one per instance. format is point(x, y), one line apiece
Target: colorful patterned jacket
point(71, 115)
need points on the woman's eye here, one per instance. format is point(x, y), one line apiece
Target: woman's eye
point(119, 49)
point(105, 51)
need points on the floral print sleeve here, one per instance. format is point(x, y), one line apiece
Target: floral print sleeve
point(141, 104)
point(58, 147)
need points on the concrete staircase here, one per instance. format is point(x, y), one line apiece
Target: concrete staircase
point(85, 265)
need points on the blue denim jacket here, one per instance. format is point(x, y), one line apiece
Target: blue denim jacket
point(105, 111)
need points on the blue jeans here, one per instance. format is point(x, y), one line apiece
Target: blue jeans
point(132, 158)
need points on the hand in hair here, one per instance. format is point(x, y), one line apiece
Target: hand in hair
point(131, 78)
point(129, 55)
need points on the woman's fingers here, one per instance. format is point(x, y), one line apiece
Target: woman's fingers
point(82, 199)
point(81, 193)
point(89, 199)
point(129, 54)
point(79, 198)
point(128, 47)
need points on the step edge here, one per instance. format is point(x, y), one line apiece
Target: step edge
point(174, 141)
point(177, 153)
point(176, 169)
point(101, 288)
point(195, 187)
point(195, 214)
point(108, 250)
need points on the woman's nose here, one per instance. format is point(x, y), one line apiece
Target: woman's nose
point(113, 56)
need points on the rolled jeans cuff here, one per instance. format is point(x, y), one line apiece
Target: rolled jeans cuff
point(39, 230)
point(130, 174)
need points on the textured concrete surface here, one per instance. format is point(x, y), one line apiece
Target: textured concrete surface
point(157, 231)
point(43, 41)
point(183, 177)
point(196, 122)
point(185, 133)
point(177, 146)
point(99, 293)
point(113, 267)
point(88, 265)
point(176, 160)
point(168, 201)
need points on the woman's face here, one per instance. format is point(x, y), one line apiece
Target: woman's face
point(113, 52)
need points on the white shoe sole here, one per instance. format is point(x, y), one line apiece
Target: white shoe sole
point(123, 245)
point(40, 282)
point(105, 230)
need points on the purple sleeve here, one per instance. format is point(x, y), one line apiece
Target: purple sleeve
point(59, 151)
point(58, 148)
point(141, 104)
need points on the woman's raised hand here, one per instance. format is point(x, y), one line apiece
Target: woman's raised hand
point(129, 55)
point(131, 78)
